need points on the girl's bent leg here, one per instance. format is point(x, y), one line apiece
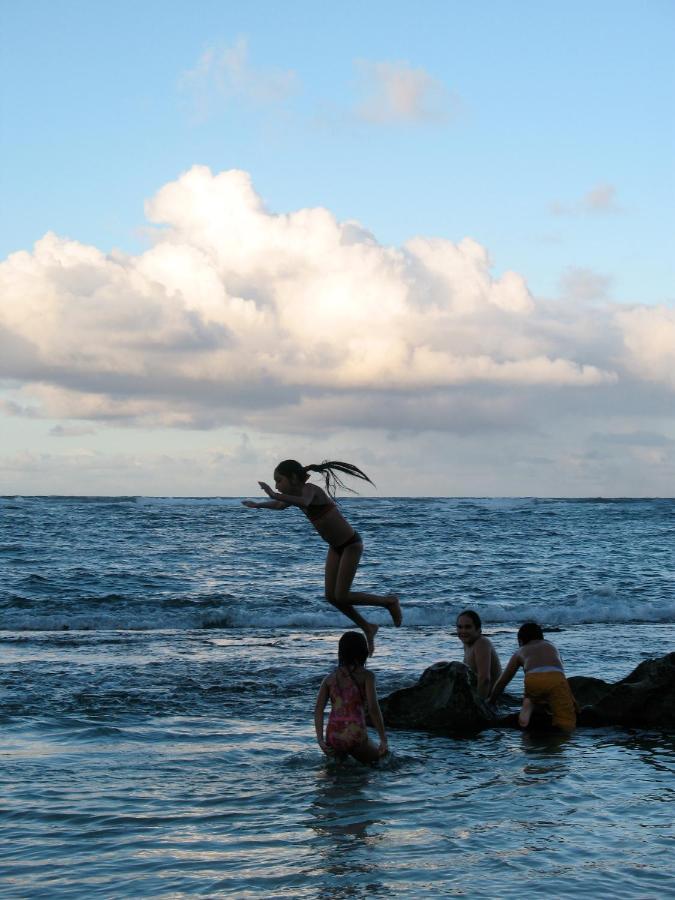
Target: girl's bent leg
point(348, 562)
point(333, 565)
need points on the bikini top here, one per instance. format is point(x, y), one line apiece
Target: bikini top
point(317, 511)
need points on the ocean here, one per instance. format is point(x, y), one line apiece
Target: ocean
point(159, 662)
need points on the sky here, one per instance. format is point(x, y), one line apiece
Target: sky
point(431, 239)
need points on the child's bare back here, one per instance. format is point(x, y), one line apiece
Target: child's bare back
point(538, 655)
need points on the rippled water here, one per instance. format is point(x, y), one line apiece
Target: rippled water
point(165, 759)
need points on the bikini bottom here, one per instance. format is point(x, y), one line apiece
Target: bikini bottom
point(354, 539)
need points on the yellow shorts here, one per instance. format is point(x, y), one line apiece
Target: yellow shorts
point(552, 688)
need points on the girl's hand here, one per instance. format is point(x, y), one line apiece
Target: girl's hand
point(326, 749)
point(383, 749)
point(267, 489)
point(251, 504)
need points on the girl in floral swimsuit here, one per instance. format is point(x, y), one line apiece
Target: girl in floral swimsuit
point(351, 689)
point(345, 545)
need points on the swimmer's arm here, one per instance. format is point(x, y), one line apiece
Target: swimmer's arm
point(308, 496)
point(512, 667)
point(321, 700)
point(482, 656)
point(267, 504)
point(376, 713)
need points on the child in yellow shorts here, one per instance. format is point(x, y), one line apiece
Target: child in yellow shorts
point(545, 681)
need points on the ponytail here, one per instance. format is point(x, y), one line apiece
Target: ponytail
point(329, 469)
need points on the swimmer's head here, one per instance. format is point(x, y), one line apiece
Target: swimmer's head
point(469, 626)
point(289, 476)
point(529, 631)
point(293, 475)
point(352, 649)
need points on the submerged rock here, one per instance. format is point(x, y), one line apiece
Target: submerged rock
point(445, 699)
point(644, 699)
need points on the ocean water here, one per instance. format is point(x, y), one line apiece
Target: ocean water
point(159, 661)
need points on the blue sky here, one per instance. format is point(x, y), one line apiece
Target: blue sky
point(544, 132)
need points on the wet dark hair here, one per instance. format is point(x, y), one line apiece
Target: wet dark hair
point(352, 649)
point(530, 631)
point(328, 468)
point(475, 618)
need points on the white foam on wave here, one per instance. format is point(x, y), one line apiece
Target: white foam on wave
point(601, 607)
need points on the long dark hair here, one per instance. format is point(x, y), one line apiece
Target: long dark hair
point(330, 469)
point(352, 649)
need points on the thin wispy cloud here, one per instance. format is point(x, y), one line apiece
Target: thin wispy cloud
point(584, 284)
point(396, 93)
point(599, 200)
point(69, 431)
point(225, 74)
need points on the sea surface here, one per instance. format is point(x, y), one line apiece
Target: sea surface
point(159, 662)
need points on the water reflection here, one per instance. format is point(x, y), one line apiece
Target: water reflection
point(346, 828)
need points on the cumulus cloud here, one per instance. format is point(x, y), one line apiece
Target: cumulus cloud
point(649, 338)
point(225, 74)
point(396, 93)
point(239, 316)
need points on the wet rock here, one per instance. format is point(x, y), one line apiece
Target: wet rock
point(444, 699)
point(644, 699)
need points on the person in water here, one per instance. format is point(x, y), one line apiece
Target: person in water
point(545, 682)
point(351, 689)
point(345, 545)
point(479, 654)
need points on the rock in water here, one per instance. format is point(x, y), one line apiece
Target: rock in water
point(644, 699)
point(444, 699)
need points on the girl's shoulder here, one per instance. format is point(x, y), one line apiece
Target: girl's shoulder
point(317, 494)
point(362, 675)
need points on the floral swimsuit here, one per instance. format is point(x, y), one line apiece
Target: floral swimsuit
point(347, 721)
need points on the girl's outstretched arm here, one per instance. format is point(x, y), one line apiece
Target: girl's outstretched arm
point(319, 707)
point(376, 713)
point(309, 492)
point(267, 504)
point(506, 676)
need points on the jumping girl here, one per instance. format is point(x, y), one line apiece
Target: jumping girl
point(351, 688)
point(345, 545)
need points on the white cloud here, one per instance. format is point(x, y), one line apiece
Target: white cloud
point(397, 93)
point(649, 337)
point(237, 316)
point(224, 74)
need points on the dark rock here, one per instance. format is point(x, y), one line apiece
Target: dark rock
point(644, 699)
point(540, 722)
point(445, 699)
